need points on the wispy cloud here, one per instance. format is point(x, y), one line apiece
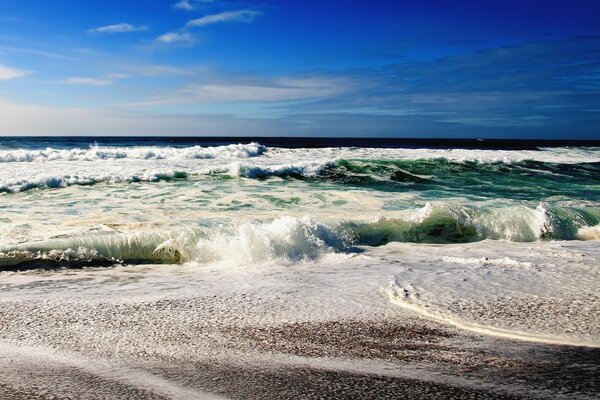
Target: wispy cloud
point(190, 5)
point(277, 90)
point(118, 28)
point(35, 52)
point(160, 70)
point(226, 16)
point(117, 75)
point(8, 73)
point(180, 38)
point(77, 80)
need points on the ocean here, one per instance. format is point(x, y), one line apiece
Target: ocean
point(493, 238)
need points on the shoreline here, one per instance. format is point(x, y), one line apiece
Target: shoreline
point(323, 329)
point(158, 349)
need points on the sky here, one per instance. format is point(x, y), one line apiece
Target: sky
point(372, 68)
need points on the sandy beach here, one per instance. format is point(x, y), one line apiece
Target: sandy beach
point(261, 333)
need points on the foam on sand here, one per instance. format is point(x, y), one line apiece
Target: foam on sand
point(547, 295)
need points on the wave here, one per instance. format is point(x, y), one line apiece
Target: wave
point(415, 171)
point(291, 240)
point(52, 182)
point(522, 180)
point(284, 240)
point(297, 170)
point(140, 152)
point(460, 224)
point(287, 239)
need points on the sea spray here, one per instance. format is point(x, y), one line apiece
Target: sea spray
point(289, 239)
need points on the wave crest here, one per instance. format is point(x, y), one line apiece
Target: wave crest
point(290, 240)
point(285, 239)
point(53, 182)
point(141, 152)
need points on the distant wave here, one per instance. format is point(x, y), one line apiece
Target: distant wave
point(413, 170)
point(62, 181)
point(525, 180)
point(517, 180)
point(141, 152)
point(296, 170)
point(289, 239)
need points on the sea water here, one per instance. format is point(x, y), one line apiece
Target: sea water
point(460, 235)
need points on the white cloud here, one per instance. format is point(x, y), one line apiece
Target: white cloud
point(226, 16)
point(76, 80)
point(7, 73)
point(118, 28)
point(189, 5)
point(176, 38)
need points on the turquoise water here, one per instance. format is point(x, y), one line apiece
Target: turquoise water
point(70, 202)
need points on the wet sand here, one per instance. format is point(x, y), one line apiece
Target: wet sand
point(204, 347)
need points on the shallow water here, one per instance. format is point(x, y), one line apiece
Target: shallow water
point(495, 226)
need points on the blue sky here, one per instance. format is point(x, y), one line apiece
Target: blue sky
point(514, 69)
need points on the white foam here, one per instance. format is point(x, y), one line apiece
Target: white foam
point(49, 181)
point(484, 261)
point(138, 152)
point(589, 233)
point(307, 169)
point(284, 240)
point(421, 214)
point(544, 292)
point(50, 167)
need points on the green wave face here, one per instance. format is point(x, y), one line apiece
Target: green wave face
point(525, 180)
point(462, 224)
point(294, 239)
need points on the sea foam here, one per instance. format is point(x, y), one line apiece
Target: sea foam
point(95, 152)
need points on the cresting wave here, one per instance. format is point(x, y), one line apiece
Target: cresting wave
point(409, 171)
point(514, 179)
point(284, 240)
point(291, 240)
point(95, 152)
point(460, 224)
point(45, 181)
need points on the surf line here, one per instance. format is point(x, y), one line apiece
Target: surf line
point(49, 359)
point(397, 299)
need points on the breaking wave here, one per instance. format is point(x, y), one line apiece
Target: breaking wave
point(290, 239)
point(522, 180)
point(460, 224)
point(52, 182)
point(284, 240)
point(141, 152)
point(425, 171)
